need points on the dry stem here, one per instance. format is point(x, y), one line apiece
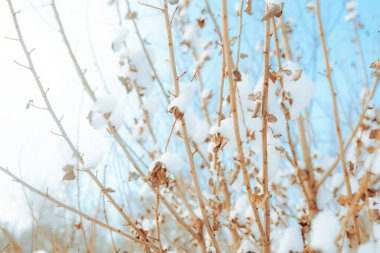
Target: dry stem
point(73, 210)
point(264, 111)
point(228, 58)
point(184, 131)
point(336, 115)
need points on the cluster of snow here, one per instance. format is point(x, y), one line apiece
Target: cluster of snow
point(185, 97)
point(291, 240)
point(197, 127)
point(351, 7)
point(106, 109)
point(324, 196)
point(173, 162)
point(138, 69)
point(119, 39)
point(300, 87)
point(325, 228)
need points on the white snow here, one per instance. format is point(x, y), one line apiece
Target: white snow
point(301, 90)
point(325, 228)
point(211, 250)
point(119, 38)
point(104, 102)
point(369, 247)
point(185, 97)
point(350, 16)
point(324, 196)
point(173, 162)
point(291, 240)
point(351, 6)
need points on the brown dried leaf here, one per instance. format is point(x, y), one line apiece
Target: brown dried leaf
point(110, 190)
point(271, 118)
point(274, 10)
point(375, 134)
point(176, 112)
point(375, 64)
point(287, 72)
point(248, 8)
point(343, 200)
point(69, 175)
point(297, 75)
point(133, 176)
point(243, 56)
point(107, 115)
point(254, 96)
point(237, 75)
point(201, 22)
point(158, 175)
point(273, 76)
point(257, 110)
point(232, 175)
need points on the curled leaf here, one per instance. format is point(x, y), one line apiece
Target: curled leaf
point(297, 75)
point(69, 175)
point(274, 10)
point(271, 118)
point(248, 8)
point(237, 75)
point(375, 134)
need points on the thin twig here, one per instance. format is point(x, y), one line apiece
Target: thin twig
point(73, 210)
point(228, 57)
point(264, 112)
point(336, 115)
point(184, 132)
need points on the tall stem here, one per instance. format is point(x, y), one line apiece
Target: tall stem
point(264, 112)
point(336, 114)
point(184, 131)
point(241, 158)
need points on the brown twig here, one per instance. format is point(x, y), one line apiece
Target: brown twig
point(73, 210)
point(353, 133)
point(184, 131)
point(157, 213)
point(335, 111)
point(264, 112)
point(228, 58)
point(149, 59)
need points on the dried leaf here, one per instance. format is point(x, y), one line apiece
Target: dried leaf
point(237, 75)
point(271, 118)
point(78, 225)
point(287, 72)
point(243, 56)
point(232, 175)
point(297, 75)
point(273, 76)
point(133, 176)
point(107, 115)
point(69, 175)
point(201, 22)
point(248, 8)
point(343, 200)
point(254, 96)
point(158, 175)
point(257, 110)
point(110, 190)
point(274, 10)
point(280, 149)
point(375, 64)
point(375, 134)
